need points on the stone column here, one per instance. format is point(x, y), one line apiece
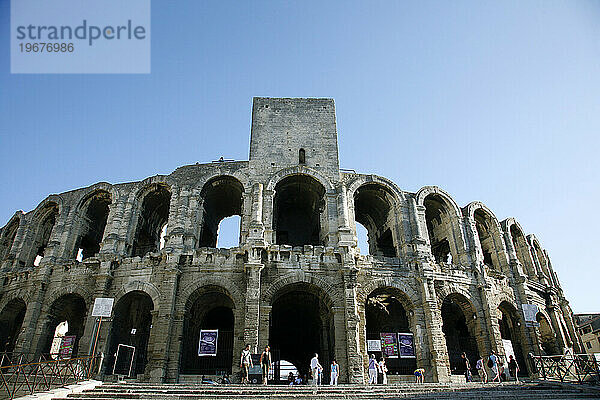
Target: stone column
point(568, 316)
point(355, 367)
point(340, 350)
point(161, 337)
point(252, 309)
point(439, 370)
point(490, 312)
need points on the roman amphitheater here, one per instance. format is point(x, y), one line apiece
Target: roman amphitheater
point(452, 279)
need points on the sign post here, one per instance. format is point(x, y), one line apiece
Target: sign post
point(102, 308)
point(530, 313)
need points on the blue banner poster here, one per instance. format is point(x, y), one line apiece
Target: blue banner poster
point(208, 342)
point(406, 347)
point(389, 345)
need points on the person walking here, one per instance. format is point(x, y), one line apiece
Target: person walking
point(420, 375)
point(246, 363)
point(480, 366)
point(265, 363)
point(314, 368)
point(513, 367)
point(383, 371)
point(468, 375)
point(373, 366)
point(335, 373)
point(493, 365)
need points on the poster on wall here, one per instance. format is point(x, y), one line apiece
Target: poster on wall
point(389, 345)
point(406, 347)
point(207, 345)
point(66, 346)
point(373, 345)
point(530, 312)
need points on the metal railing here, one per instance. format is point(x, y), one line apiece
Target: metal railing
point(20, 377)
point(581, 368)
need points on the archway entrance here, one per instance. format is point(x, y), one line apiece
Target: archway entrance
point(69, 308)
point(209, 308)
point(459, 327)
point(11, 320)
point(385, 313)
point(510, 331)
point(131, 326)
point(302, 324)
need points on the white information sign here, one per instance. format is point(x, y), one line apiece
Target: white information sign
point(103, 307)
point(373, 345)
point(530, 312)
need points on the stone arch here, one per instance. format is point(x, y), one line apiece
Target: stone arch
point(9, 234)
point(547, 335)
point(462, 328)
point(22, 294)
point(443, 224)
point(151, 211)
point(298, 170)
point(139, 286)
point(375, 205)
point(515, 235)
point(69, 303)
point(221, 196)
point(334, 294)
point(511, 329)
point(538, 256)
point(411, 299)
point(44, 220)
point(12, 314)
point(228, 286)
point(486, 235)
point(92, 217)
point(361, 180)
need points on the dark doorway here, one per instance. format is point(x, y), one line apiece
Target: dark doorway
point(70, 308)
point(93, 223)
point(510, 330)
point(11, 320)
point(301, 325)
point(221, 198)
point(385, 314)
point(154, 214)
point(297, 209)
point(212, 309)
point(131, 326)
point(372, 207)
point(459, 337)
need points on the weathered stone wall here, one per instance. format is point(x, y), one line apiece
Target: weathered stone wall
point(258, 272)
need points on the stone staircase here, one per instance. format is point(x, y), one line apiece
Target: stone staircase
point(473, 391)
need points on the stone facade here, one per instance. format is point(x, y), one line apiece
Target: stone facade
point(454, 277)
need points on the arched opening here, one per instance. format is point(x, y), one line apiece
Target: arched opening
point(69, 308)
point(297, 210)
point(153, 217)
point(485, 231)
point(11, 320)
point(510, 332)
point(301, 324)
point(438, 217)
point(93, 223)
point(543, 264)
point(301, 157)
point(522, 250)
point(209, 308)
point(132, 321)
point(46, 220)
point(221, 198)
point(372, 207)
point(460, 330)
point(385, 314)
point(8, 238)
point(547, 337)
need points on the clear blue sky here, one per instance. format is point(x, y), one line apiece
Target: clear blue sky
point(492, 101)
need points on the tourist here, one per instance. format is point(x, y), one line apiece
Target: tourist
point(480, 366)
point(383, 371)
point(373, 366)
point(314, 368)
point(246, 363)
point(493, 365)
point(225, 380)
point(503, 369)
point(420, 375)
point(291, 378)
point(335, 373)
point(513, 368)
point(468, 376)
point(265, 363)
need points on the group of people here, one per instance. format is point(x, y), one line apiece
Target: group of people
point(377, 368)
point(316, 370)
point(497, 367)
